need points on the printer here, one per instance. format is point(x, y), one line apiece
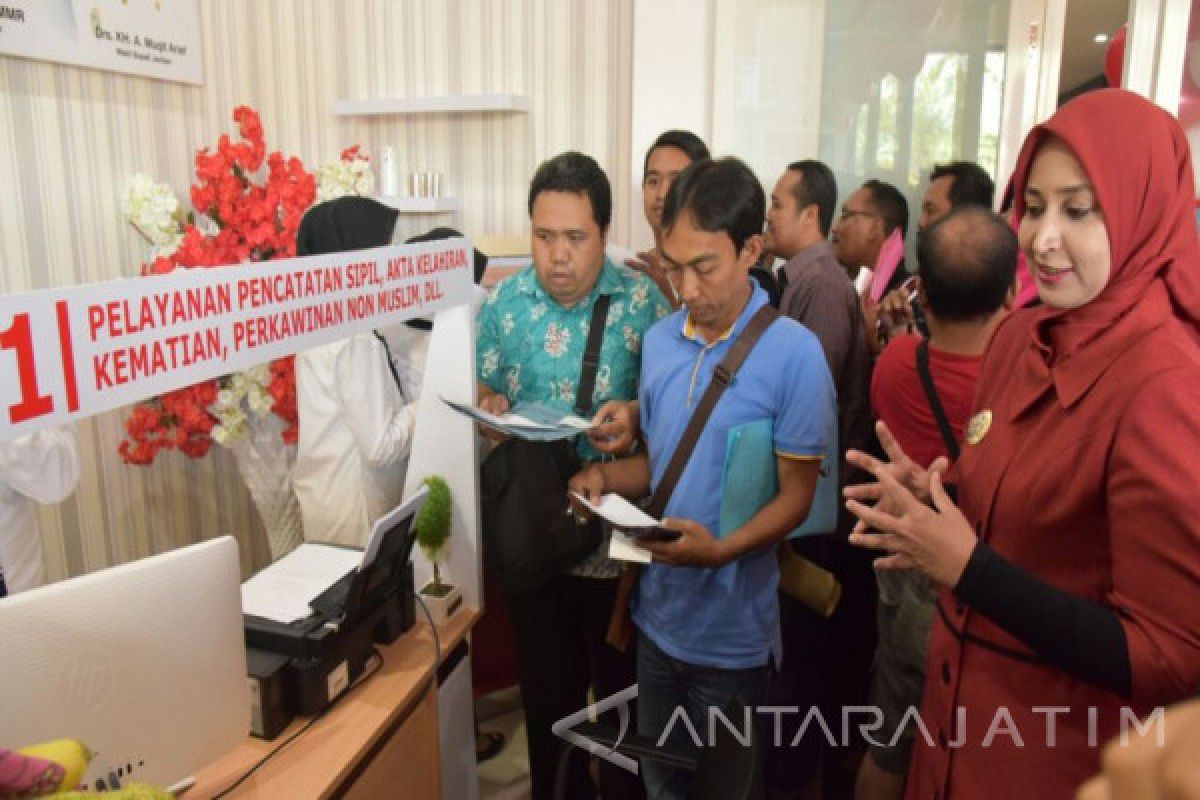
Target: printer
point(300, 658)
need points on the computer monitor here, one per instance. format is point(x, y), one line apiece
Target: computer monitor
point(144, 663)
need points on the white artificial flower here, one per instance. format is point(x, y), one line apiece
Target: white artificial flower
point(260, 374)
point(169, 244)
point(242, 395)
point(151, 207)
point(341, 178)
point(259, 400)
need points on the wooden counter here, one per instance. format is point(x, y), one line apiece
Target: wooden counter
point(379, 740)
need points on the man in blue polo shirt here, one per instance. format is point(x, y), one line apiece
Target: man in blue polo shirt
point(707, 609)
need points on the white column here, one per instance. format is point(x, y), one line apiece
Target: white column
point(672, 85)
point(1155, 48)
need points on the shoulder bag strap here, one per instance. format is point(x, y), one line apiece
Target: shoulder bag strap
point(723, 375)
point(591, 355)
point(620, 625)
point(935, 402)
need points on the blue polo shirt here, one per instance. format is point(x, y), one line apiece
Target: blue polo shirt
point(727, 617)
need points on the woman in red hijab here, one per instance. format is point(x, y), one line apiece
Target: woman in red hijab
point(1070, 561)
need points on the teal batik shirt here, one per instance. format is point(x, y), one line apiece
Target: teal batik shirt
point(530, 349)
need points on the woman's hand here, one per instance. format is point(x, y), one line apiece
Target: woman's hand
point(935, 540)
point(908, 473)
point(938, 541)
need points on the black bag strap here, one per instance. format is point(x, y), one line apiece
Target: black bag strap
point(591, 355)
point(935, 403)
point(723, 375)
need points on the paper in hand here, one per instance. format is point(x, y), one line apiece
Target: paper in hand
point(619, 512)
point(627, 521)
point(531, 421)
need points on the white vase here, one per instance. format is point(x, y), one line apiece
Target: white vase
point(441, 605)
point(266, 463)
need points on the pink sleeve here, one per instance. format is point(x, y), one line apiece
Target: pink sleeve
point(26, 775)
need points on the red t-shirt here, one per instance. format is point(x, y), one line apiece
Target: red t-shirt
point(898, 399)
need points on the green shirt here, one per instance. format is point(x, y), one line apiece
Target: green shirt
point(530, 348)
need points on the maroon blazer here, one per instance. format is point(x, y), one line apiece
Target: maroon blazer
point(1092, 485)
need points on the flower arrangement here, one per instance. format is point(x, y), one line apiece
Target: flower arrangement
point(236, 219)
point(154, 211)
point(349, 175)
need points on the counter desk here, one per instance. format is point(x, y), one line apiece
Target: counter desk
point(379, 740)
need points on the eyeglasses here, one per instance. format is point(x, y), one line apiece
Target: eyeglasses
point(847, 213)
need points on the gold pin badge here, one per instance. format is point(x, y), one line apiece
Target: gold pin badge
point(977, 428)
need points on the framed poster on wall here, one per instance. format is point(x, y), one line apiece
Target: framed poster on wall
point(154, 38)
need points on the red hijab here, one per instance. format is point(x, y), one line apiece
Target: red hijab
point(1140, 166)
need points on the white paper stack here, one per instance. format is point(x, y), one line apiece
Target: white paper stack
point(282, 591)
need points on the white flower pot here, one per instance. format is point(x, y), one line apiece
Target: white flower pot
point(441, 605)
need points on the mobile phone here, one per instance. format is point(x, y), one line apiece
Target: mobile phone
point(655, 533)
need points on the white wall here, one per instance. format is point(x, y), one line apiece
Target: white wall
point(672, 87)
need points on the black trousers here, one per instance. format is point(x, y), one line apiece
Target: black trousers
point(559, 630)
point(827, 664)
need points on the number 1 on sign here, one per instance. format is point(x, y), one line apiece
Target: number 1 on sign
point(19, 337)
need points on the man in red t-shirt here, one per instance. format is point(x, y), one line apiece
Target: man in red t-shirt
point(966, 268)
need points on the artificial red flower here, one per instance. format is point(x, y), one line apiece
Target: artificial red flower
point(256, 222)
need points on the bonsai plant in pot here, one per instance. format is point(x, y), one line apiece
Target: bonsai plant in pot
point(434, 526)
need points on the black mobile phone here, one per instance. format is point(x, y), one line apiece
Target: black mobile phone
point(655, 533)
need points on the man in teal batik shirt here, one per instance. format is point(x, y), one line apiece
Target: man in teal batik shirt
point(531, 338)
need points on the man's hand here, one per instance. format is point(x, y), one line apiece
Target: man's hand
point(871, 321)
point(495, 404)
point(696, 546)
point(896, 314)
point(588, 482)
point(614, 427)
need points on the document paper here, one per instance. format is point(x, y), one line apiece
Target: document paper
point(282, 591)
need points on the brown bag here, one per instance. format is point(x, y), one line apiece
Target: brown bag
point(802, 580)
point(620, 623)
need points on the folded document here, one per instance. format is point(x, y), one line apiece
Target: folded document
point(532, 421)
point(622, 514)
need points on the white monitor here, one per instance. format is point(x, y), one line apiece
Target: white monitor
point(145, 663)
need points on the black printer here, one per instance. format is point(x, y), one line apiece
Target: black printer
point(301, 667)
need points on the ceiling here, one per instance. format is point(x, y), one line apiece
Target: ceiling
point(1083, 58)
